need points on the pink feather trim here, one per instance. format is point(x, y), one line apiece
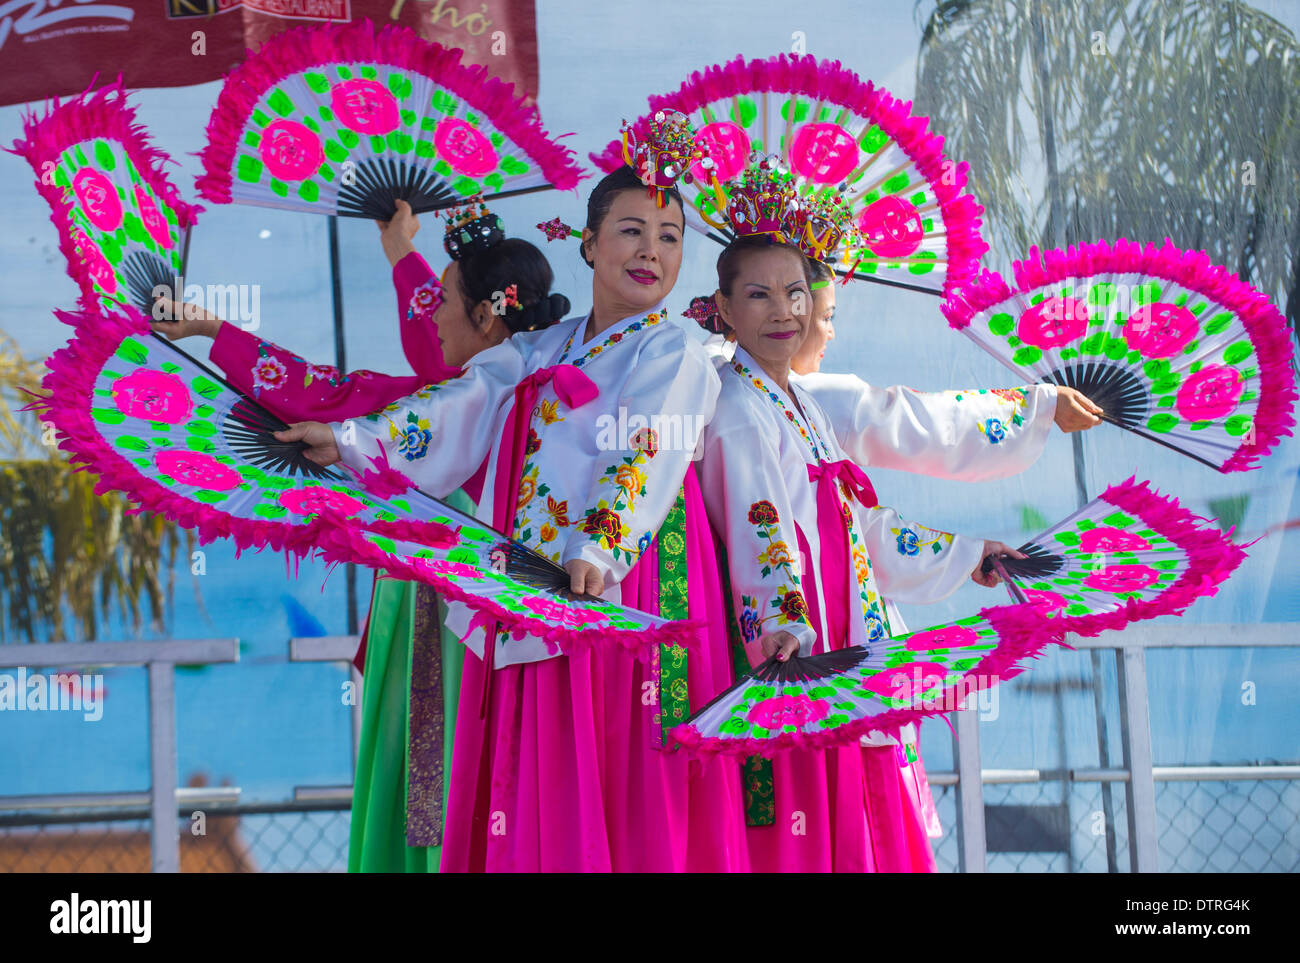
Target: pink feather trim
point(97, 112)
point(1024, 630)
point(304, 48)
point(1023, 633)
point(71, 382)
point(610, 159)
point(831, 83)
point(338, 542)
point(1264, 324)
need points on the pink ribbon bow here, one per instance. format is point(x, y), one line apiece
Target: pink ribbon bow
point(846, 472)
point(573, 388)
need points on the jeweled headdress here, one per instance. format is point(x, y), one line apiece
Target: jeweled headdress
point(762, 200)
point(666, 154)
point(827, 223)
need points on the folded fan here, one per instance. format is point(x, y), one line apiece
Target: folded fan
point(344, 119)
point(914, 225)
point(1172, 347)
point(122, 225)
point(1127, 555)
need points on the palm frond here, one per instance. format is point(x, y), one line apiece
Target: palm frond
point(67, 554)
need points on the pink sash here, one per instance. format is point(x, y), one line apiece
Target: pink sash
point(573, 388)
point(833, 531)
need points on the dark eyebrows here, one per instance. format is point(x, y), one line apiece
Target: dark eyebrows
point(639, 220)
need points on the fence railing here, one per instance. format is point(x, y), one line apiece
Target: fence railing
point(1041, 827)
point(160, 659)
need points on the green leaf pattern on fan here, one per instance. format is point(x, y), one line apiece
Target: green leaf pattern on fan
point(469, 565)
point(903, 672)
point(170, 419)
point(1108, 557)
point(892, 204)
point(114, 213)
point(310, 134)
point(1191, 354)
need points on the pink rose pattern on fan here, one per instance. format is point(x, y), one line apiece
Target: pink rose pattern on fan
point(823, 153)
point(906, 681)
point(1111, 540)
point(98, 198)
point(152, 218)
point(1122, 578)
point(437, 566)
point(92, 259)
point(312, 501)
point(464, 148)
point(727, 145)
point(948, 637)
point(1046, 601)
point(1160, 330)
point(1211, 393)
point(291, 151)
point(365, 106)
point(153, 396)
point(891, 227)
point(794, 710)
point(197, 469)
point(563, 614)
point(1053, 322)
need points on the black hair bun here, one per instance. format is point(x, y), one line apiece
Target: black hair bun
point(539, 314)
point(559, 306)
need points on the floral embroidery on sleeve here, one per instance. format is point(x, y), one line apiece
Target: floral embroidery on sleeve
point(272, 373)
point(423, 394)
point(996, 429)
point(776, 558)
point(424, 299)
point(604, 523)
point(993, 430)
point(910, 541)
point(872, 611)
point(530, 509)
point(269, 372)
point(413, 437)
point(549, 412)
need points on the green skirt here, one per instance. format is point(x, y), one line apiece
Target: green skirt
point(406, 623)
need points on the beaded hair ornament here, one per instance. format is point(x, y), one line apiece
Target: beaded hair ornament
point(472, 229)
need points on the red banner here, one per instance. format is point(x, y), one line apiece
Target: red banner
point(52, 48)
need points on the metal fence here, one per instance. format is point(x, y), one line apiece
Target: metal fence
point(1175, 819)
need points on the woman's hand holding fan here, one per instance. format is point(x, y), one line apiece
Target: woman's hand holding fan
point(1075, 411)
point(319, 439)
point(184, 320)
point(395, 234)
